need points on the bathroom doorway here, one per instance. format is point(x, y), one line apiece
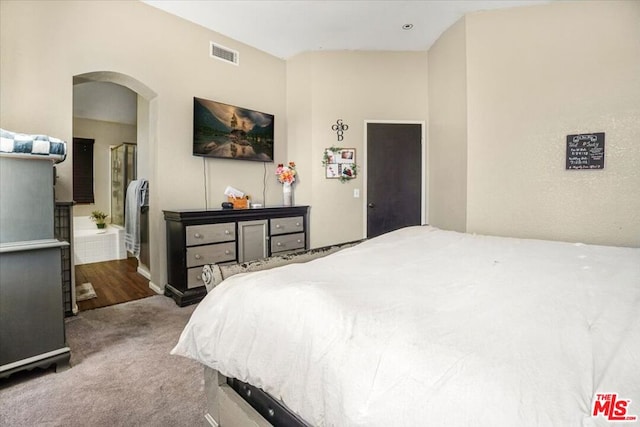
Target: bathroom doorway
point(106, 104)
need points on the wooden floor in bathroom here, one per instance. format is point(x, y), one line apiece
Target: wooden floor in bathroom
point(115, 282)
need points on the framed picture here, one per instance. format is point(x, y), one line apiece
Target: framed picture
point(332, 170)
point(230, 132)
point(347, 155)
point(340, 163)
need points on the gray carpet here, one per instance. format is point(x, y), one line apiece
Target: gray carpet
point(122, 373)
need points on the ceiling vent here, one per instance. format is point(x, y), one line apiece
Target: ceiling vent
point(224, 53)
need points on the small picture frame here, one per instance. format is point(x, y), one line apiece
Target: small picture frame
point(332, 170)
point(347, 155)
point(340, 163)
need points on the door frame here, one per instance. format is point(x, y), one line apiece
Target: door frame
point(424, 214)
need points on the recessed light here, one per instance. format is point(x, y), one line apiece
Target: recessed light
point(407, 26)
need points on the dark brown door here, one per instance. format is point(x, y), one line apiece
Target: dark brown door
point(394, 176)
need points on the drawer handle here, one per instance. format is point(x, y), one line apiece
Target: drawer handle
point(279, 244)
point(199, 277)
point(227, 252)
point(299, 241)
point(227, 232)
point(297, 224)
point(197, 256)
point(197, 235)
point(277, 225)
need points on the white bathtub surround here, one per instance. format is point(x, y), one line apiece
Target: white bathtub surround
point(91, 244)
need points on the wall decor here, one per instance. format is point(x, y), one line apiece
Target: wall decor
point(339, 128)
point(340, 163)
point(286, 176)
point(585, 151)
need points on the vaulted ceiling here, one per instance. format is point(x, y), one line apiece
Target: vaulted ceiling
point(286, 28)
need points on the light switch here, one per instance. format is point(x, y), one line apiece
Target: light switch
point(356, 193)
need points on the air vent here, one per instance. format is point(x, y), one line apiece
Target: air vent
point(224, 53)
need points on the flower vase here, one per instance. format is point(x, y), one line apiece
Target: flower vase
point(287, 194)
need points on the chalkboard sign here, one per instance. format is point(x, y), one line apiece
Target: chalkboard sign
point(585, 151)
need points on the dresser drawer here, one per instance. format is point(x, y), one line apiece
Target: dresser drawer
point(210, 233)
point(194, 277)
point(287, 225)
point(211, 254)
point(287, 243)
point(195, 238)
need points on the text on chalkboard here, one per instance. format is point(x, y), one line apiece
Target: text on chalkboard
point(585, 151)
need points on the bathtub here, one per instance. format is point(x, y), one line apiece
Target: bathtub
point(91, 244)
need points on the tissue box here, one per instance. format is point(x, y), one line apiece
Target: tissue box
point(242, 203)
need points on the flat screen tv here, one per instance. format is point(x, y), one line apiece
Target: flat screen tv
point(229, 132)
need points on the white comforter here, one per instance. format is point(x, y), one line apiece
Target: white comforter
point(423, 327)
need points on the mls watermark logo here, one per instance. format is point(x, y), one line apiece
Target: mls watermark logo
point(610, 407)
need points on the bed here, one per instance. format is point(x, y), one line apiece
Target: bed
point(422, 326)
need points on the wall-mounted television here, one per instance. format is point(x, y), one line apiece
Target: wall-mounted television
point(229, 132)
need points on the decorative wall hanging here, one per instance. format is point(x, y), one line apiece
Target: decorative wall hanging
point(585, 151)
point(339, 128)
point(340, 163)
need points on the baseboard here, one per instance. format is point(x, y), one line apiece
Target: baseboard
point(210, 421)
point(155, 288)
point(144, 272)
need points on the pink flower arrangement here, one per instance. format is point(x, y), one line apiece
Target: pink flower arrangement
point(286, 174)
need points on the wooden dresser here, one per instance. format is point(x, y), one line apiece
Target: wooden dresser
point(224, 236)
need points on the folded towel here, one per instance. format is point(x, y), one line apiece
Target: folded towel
point(23, 145)
point(135, 198)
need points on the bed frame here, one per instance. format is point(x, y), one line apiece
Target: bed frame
point(231, 402)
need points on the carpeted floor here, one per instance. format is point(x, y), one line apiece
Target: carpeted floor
point(122, 373)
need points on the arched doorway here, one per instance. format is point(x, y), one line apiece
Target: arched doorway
point(144, 134)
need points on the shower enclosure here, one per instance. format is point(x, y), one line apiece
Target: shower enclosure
point(123, 171)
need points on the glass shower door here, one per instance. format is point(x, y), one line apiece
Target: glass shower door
point(123, 171)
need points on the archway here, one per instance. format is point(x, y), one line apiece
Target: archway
point(146, 138)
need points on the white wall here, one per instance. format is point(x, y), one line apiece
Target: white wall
point(535, 75)
point(448, 130)
point(506, 88)
point(105, 135)
point(323, 87)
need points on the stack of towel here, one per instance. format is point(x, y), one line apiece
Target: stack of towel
point(135, 199)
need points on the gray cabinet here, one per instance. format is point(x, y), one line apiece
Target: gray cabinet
point(31, 310)
point(252, 240)
point(221, 236)
point(31, 297)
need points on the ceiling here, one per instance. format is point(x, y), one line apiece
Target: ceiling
point(287, 28)
point(104, 101)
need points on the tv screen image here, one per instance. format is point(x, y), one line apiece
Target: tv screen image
point(230, 132)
